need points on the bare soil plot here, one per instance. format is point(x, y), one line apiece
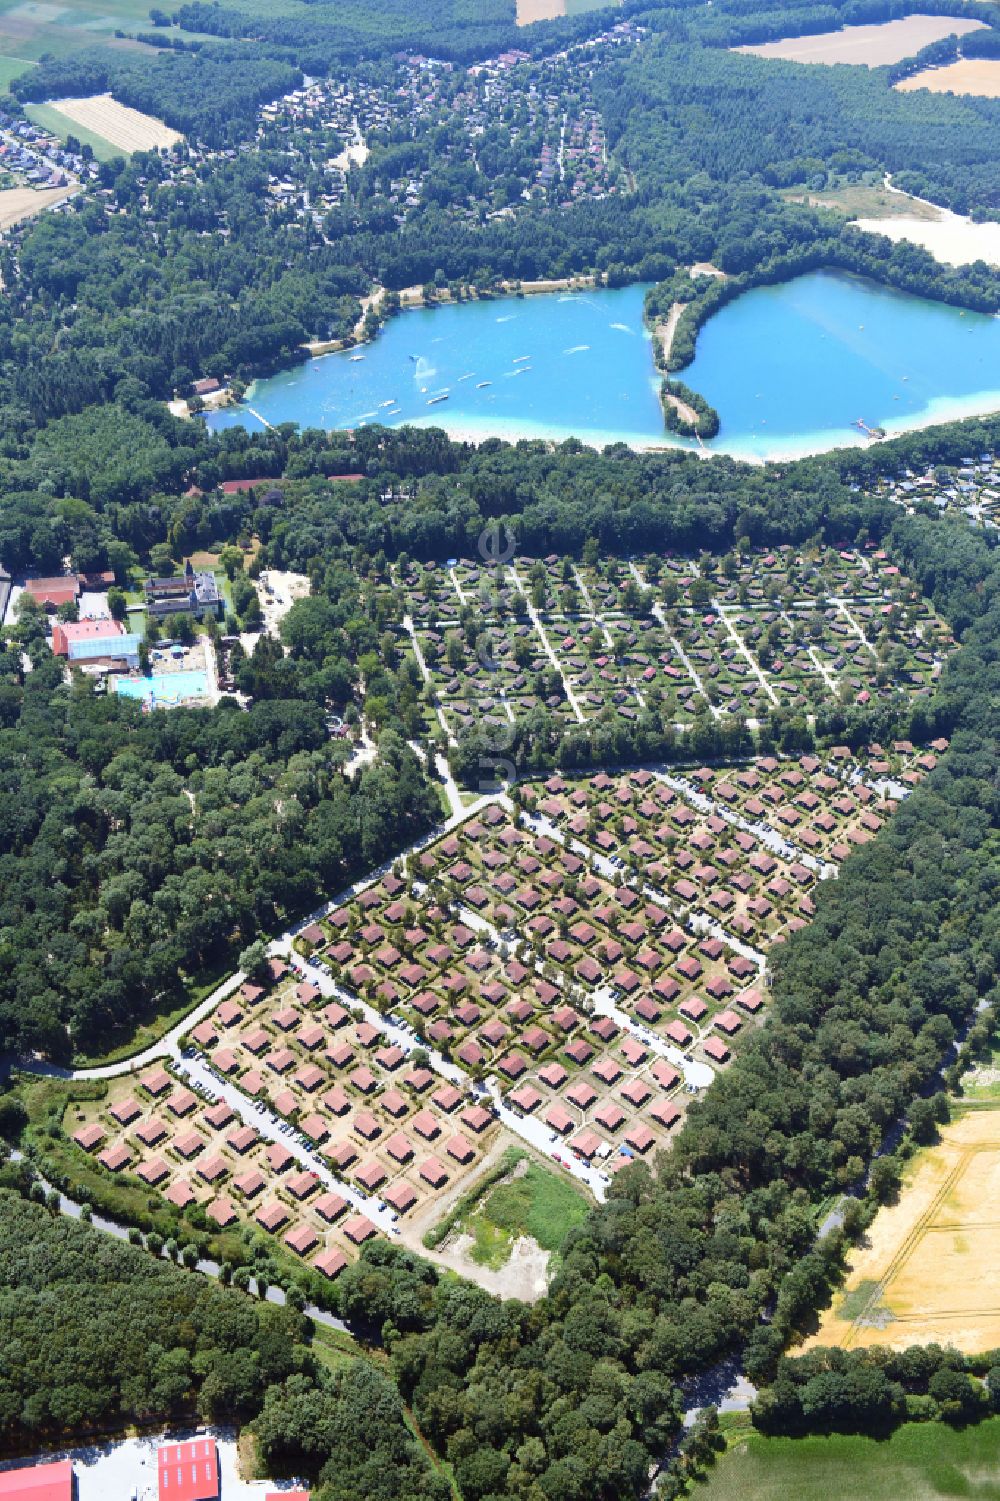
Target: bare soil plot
point(870, 46)
point(128, 129)
point(929, 1266)
point(970, 75)
point(17, 204)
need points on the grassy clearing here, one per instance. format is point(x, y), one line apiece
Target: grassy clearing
point(335, 1349)
point(920, 1462)
point(537, 1203)
point(858, 200)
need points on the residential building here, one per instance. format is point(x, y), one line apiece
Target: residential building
point(193, 593)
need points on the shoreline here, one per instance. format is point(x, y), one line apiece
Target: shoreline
point(412, 298)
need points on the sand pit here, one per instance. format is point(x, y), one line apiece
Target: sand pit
point(929, 1268)
point(970, 75)
point(128, 129)
point(17, 204)
point(951, 239)
point(870, 46)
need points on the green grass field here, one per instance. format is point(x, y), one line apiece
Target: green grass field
point(920, 1462)
point(537, 1203)
point(11, 68)
point(62, 126)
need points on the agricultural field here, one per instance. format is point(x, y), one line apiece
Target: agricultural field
point(873, 46)
point(29, 28)
point(562, 972)
point(109, 127)
point(970, 75)
point(739, 636)
point(18, 204)
point(919, 1462)
point(929, 1265)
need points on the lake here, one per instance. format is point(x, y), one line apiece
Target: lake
point(789, 368)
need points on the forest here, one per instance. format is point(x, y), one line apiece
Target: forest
point(97, 1334)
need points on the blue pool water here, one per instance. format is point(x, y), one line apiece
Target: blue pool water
point(789, 368)
point(164, 687)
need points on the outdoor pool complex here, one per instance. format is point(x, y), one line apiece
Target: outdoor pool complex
point(790, 369)
point(164, 687)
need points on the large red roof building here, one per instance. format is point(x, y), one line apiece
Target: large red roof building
point(189, 1471)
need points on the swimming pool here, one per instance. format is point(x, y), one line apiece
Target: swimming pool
point(164, 687)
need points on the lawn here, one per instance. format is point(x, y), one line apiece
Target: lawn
point(532, 1202)
point(62, 126)
point(920, 1462)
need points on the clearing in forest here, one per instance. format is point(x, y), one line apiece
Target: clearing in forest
point(549, 10)
point(871, 46)
point(929, 1266)
point(127, 129)
point(970, 75)
point(920, 1461)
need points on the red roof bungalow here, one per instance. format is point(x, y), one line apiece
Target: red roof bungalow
point(426, 1125)
point(115, 1158)
point(666, 1112)
point(476, 1118)
point(301, 1240)
point(716, 1050)
point(458, 1147)
point(331, 1264)
point(559, 1119)
point(636, 1091)
point(751, 1000)
point(180, 1194)
point(433, 1172)
point(398, 1147)
point(222, 1212)
point(155, 1081)
point(610, 1115)
point(582, 1094)
point(359, 1229)
point(678, 1033)
point(401, 1196)
point(89, 1137)
point(42, 1482)
point(640, 1137)
point(272, 1216)
point(526, 1098)
point(586, 1144)
point(728, 1022)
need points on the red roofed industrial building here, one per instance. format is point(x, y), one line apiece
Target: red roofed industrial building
point(189, 1471)
point(63, 632)
point(45, 1482)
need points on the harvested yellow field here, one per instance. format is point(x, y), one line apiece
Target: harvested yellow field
point(128, 129)
point(23, 203)
point(929, 1268)
point(539, 10)
point(870, 46)
point(970, 75)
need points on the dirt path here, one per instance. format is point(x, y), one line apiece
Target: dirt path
point(665, 330)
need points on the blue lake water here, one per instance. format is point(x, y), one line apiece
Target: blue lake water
point(789, 368)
